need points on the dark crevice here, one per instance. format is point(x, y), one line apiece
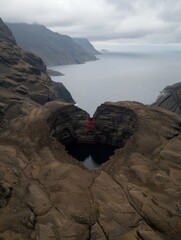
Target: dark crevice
point(92, 155)
point(105, 234)
point(94, 138)
point(89, 237)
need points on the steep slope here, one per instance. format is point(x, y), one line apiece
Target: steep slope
point(86, 45)
point(53, 48)
point(170, 98)
point(6, 34)
point(23, 76)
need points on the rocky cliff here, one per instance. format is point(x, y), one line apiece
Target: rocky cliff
point(53, 48)
point(170, 98)
point(6, 34)
point(47, 194)
point(23, 76)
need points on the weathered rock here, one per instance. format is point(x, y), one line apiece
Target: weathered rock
point(122, 201)
point(43, 232)
point(5, 193)
point(113, 125)
point(170, 98)
point(38, 201)
point(29, 220)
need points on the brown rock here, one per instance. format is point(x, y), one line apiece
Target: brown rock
point(38, 201)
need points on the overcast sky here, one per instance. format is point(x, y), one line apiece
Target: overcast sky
point(104, 22)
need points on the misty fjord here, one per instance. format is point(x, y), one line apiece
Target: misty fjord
point(90, 120)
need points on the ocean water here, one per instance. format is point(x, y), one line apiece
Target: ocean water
point(135, 76)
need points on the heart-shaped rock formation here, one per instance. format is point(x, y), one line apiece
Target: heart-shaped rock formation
point(113, 125)
point(109, 128)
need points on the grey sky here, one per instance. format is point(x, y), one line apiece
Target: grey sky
point(104, 22)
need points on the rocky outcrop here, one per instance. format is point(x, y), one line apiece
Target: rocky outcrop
point(170, 98)
point(110, 125)
point(134, 195)
point(53, 48)
point(47, 194)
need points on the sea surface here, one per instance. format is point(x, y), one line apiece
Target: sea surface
point(121, 76)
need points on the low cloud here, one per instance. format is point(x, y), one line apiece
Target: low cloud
point(135, 21)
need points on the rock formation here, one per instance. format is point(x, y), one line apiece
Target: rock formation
point(170, 98)
point(47, 194)
point(53, 48)
point(113, 125)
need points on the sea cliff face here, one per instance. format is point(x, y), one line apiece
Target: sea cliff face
point(23, 75)
point(47, 194)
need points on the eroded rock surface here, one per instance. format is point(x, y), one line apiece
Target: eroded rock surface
point(134, 195)
point(170, 98)
point(111, 124)
point(50, 195)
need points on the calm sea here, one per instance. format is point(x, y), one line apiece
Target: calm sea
point(138, 76)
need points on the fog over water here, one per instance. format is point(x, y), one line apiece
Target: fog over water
point(134, 76)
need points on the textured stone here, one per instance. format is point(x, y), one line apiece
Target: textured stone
point(5, 193)
point(170, 98)
point(39, 202)
point(113, 125)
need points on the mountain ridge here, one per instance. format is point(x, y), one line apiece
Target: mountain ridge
point(52, 47)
